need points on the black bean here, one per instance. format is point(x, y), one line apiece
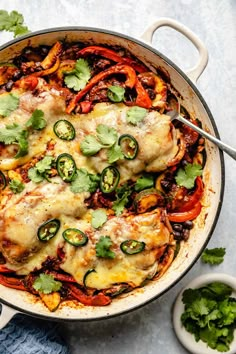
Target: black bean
point(186, 234)
point(9, 85)
point(188, 224)
point(16, 76)
point(166, 184)
point(177, 235)
point(28, 50)
point(151, 93)
point(177, 227)
point(44, 49)
point(184, 163)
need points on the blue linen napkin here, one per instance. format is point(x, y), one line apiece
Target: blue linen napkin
point(27, 335)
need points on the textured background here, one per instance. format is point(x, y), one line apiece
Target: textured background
point(149, 330)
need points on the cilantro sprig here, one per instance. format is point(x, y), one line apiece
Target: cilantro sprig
point(84, 181)
point(213, 256)
point(210, 315)
point(46, 284)
point(16, 186)
point(145, 181)
point(78, 78)
point(99, 217)
point(186, 177)
point(106, 138)
point(8, 103)
point(103, 247)
point(122, 199)
point(13, 22)
point(135, 115)
point(116, 93)
point(37, 173)
point(17, 134)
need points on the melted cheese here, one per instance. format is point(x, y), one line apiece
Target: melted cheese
point(22, 214)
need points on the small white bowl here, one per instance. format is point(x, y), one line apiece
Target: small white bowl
point(187, 339)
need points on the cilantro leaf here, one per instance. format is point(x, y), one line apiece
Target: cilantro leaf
point(34, 175)
point(46, 284)
point(16, 186)
point(120, 202)
point(8, 103)
point(135, 114)
point(84, 182)
point(12, 22)
point(103, 247)
point(90, 145)
point(37, 121)
point(146, 181)
point(37, 173)
point(213, 256)
point(186, 177)
point(78, 78)
point(116, 93)
point(15, 134)
point(106, 135)
point(99, 217)
point(114, 153)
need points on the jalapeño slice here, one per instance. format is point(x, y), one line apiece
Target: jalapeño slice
point(75, 237)
point(64, 130)
point(48, 229)
point(129, 146)
point(66, 167)
point(3, 181)
point(132, 246)
point(109, 179)
point(86, 275)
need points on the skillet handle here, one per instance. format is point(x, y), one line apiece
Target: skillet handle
point(195, 72)
point(6, 315)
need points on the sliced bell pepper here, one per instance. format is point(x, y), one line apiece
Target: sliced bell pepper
point(89, 300)
point(27, 83)
point(116, 69)
point(52, 56)
point(190, 201)
point(186, 215)
point(86, 106)
point(11, 282)
point(142, 100)
point(112, 55)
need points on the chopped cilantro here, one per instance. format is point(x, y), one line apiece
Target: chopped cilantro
point(135, 115)
point(106, 135)
point(16, 186)
point(12, 22)
point(103, 247)
point(37, 121)
point(210, 315)
point(213, 256)
point(15, 134)
point(78, 78)
point(84, 181)
point(90, 145)
point(37, 173)
point(99, 217)
point(46, 284)
point(114, 153)
point(186, 177)
point(8, 103)
point(116, 93)
point(146, 181)
point(122, 199)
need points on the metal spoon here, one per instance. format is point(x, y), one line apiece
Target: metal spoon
point(173, 114)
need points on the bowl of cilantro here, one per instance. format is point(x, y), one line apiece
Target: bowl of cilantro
point(204, 314)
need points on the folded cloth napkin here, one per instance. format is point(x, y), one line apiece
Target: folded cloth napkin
point(27, 335)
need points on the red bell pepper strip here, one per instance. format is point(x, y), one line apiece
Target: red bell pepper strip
point(27, 83)
point(112, 55)
point(142, 100)
point(86, 106)
point(62, 277)
point(190, 201)
point(186, 215)
point(4, 269)
point(116, 69)
point(13, 283)
point(89, 300)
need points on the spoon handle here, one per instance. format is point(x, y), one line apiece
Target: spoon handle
point(226, 148)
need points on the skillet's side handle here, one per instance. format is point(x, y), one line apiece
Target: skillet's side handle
point(6, 315)
point(195, 72)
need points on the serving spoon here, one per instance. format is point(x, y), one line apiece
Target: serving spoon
point(174, 114)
